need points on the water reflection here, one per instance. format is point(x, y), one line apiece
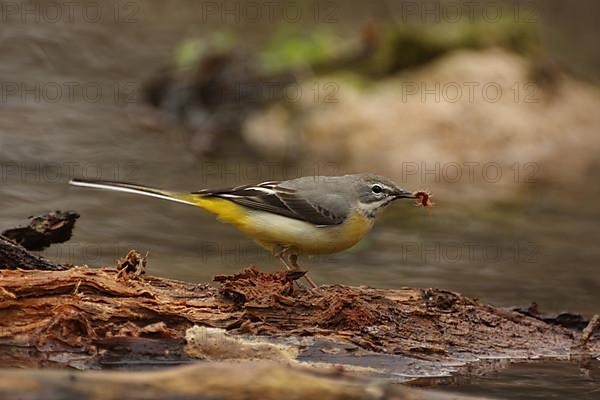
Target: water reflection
point(560, 380)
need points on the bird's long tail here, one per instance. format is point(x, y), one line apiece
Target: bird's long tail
point(225, 210)
point(184, 198)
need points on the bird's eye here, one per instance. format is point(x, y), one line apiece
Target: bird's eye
point(376, 189)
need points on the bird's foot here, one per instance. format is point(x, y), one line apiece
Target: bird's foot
point(295, 268)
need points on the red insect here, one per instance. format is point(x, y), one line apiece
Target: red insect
point(423, 199)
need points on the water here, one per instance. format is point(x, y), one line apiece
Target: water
point(551, 380)
point(540, 247)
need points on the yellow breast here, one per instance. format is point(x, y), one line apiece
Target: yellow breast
point(271, 230)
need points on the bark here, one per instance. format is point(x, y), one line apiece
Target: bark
point(13, 256)
point(96, 318)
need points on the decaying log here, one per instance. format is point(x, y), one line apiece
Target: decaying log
point(13, 256)
point(95, 318)
point(214, 381)
point(44, 230)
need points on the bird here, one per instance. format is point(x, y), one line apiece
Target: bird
point(309, 215)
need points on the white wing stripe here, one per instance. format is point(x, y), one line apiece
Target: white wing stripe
point(262, 189)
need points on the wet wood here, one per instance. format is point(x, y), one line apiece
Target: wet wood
point(214, 381)
point(13, 256)
point(39, 233)
point(589, 330)
point(44, 230)
point(566, 319)
point(95, 318)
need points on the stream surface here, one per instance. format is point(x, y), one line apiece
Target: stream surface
point(541, 247)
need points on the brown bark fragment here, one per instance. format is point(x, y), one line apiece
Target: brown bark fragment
point(89, 318)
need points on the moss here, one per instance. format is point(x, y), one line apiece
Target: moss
point(288, 49)
point(415, 44)
point(190, 52)
point(380, 50)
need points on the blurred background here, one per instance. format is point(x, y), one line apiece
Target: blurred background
point(492, 106)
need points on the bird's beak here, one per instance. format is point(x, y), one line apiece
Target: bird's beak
point(403, 194)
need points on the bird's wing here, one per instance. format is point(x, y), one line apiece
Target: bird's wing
point(272, 197)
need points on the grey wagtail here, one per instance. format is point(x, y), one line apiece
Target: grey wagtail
point(308, 215)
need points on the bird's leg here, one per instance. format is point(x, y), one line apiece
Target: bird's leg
point(294, 261)
point(284, 262)
point(278, 252)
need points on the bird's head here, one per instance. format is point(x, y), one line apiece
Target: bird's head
point(374, 193)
